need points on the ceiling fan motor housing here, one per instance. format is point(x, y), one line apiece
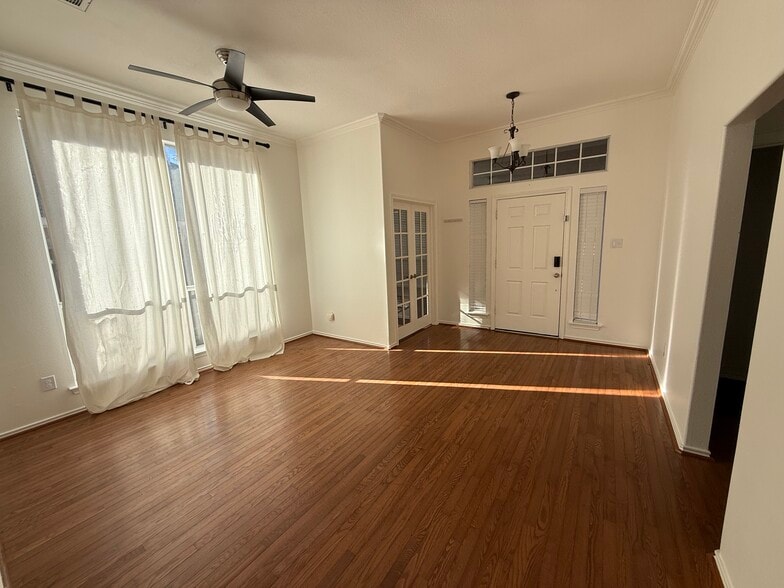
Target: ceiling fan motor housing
point(230, 98)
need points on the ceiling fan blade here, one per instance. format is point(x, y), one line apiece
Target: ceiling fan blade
point(265, 94)
point(198, 106)
point(163, 74)
point(235, 68)
point(261, 115)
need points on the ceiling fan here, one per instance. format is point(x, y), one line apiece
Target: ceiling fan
point(230, 92)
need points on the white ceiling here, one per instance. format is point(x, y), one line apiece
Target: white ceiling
point(441, 67)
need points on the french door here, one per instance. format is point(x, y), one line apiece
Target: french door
point(529, 249)
point(413, 254)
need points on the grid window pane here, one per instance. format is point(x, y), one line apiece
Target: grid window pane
point(598, 147)
point(481, 180)
point(521, 173)
point(594, 164)
point(501, 177)
point(544, 156)
point(568, 152)
point(544, 171)
point(567, 167)
point(481, 166)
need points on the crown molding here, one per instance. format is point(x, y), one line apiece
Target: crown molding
point(37, 72)
point(367, 121)
point(394, 123)
point(697, 25)
point(382, 118)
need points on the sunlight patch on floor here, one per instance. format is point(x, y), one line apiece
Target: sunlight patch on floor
point(518, 388)
point(305, 379)
point(543, 353)
point(359, 349)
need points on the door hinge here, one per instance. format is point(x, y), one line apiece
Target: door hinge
point(566, 218)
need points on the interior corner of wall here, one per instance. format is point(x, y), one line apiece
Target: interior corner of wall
point(659, 375)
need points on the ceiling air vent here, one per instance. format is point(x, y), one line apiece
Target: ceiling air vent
point(82, 5)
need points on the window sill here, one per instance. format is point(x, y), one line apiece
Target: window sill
point(586, 326)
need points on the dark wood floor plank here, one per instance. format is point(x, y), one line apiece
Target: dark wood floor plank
point(464, 457)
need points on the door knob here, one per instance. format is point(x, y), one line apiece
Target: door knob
point(556, 275)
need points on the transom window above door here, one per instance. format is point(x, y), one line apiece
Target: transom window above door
point(546, 162)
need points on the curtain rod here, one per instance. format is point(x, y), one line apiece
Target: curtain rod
point(9, 85)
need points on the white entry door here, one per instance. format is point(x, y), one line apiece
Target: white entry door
point(412, 229)
point(529, 243)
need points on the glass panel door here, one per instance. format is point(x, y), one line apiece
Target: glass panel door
point(402, 282)
point(413, 266)
point(422, 256)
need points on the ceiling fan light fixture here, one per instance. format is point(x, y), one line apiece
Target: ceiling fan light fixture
point(231, 92)
point(232, 100)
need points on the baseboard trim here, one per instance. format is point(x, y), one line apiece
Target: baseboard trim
point(696, 451)
point(350, 340)
point(722, 567)
point(42, 422)
point(295, 337)
point(611, 342)
point(676, 432)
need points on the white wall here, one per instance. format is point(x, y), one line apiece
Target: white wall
point(280, 180)
point(635, 182)
point(741, 53)
point(408, 163)
point(753, 537)
point(32, 342)
point(734, 71)
point(343, 207)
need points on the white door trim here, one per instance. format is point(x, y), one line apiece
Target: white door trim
point(566, 258)
point(433, 261)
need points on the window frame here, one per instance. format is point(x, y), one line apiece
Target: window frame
point(199, 349)
point(488, 257)
point(573, 320)
point(532, 166)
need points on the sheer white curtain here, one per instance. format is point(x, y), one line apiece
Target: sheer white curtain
point(107, 199)
point(229, 242)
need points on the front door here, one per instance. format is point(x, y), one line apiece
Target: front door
point(529, 243)
point(412, 229)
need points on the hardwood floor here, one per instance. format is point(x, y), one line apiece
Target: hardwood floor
point(462, 458)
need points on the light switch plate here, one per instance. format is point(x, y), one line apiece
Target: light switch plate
point(617, 243)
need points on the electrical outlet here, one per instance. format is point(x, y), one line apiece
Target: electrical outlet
point(616, 243)
point(331, 316)
point(48, 383)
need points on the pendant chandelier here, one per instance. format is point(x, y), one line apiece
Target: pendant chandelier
point(519, 150)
